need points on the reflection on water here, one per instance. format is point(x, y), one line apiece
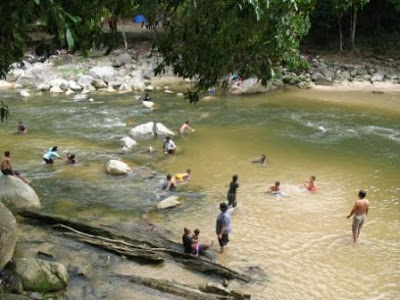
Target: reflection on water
point(301, 242)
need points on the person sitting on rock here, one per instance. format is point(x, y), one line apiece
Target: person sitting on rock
point(6, 168)
point(169, 146)
point(197, 247)
point(21, 128)
point(187, 241)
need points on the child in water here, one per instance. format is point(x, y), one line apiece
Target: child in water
point(184, 176)
point(262, 160)
point(275, 188)
point(70, 159)
point(310, 185)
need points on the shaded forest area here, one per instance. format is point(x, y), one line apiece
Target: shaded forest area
point(377, 26)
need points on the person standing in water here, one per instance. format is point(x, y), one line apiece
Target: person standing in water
point(360, 211)
point(223, 226)
point(6, 168)
point(50, 155)
point(21, 128)
point(186, 127)
point(233, 186)
point(310, 185)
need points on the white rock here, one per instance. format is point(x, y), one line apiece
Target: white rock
point(162, 130)
point(129, 142)
point(137, 97)
point(117, 167)
point(85, 80)
point(99, 83)
point(24, 93)
point(110, 89)
point(125, 87)
point(16, 194)
point(102, 72)
point(180, 94)
point(8, 235)
point(148, 104)
point(55, 89)
point(69, 92)
point(74, 86)
point(13, 75)
point(149, 88)
point(171, 201)
point(143, 130)
point(59, 82)
point(80, 97)
point(169, 92)
point(44, 87)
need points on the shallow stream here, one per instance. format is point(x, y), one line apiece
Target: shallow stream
point(299, 246)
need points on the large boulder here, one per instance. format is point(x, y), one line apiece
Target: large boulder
point(8, 235)
point(143, 130)
point(41, 276)
point(17, 195)
point(85, 80)
point(117, 167)
point(74, 86)
point(13, 75)
point(99, 84)
point(162, 130)
point(320, 79)
point(250, 86)
point(59, 84)
point(169, 202)
point(122, 59)
point(103, 72)
point(378, 77)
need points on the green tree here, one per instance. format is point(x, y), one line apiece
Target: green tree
point(355, 5)
point(208, 40)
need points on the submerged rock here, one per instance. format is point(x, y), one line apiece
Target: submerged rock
point(171, 201)
point(117, 167)
point(41, 276)
point(128, 142)
point(17, 195)
point(8, 235)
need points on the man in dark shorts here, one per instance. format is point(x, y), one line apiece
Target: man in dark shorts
point(187, 241)
point(233, 186)
point(49, 156)
point(6, 168)
point(223, 226)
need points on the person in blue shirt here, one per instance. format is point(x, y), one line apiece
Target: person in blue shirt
point(50, 155)
point(223, 226)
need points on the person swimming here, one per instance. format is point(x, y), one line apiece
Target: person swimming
point(275, 188)
point(262, 160)
point(310, 185)
point(21, 128)
point(71, 159)
point(186, 127)
point(184, 176)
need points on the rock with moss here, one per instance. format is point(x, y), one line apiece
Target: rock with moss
point(8, 235)
point(17, 195)
point(41, 276)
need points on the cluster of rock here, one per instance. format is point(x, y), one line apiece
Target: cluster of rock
point(120, 71)
point(33, 275)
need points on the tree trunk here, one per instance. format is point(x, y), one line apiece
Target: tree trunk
point(340, 33)
point(353, 31)
point(144, 245)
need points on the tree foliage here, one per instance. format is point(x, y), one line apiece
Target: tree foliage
point(208, 40)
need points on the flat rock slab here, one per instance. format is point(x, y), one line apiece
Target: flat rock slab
point(169, 202)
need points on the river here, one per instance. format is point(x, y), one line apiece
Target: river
point(299, 246)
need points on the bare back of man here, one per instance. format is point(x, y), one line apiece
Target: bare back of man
point(360, 211)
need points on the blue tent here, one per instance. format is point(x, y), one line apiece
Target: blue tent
point(139, 19)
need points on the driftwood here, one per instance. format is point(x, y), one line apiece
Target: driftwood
point(146, 247)
point(185, 291)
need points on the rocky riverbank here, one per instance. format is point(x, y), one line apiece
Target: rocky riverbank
point(132, 70)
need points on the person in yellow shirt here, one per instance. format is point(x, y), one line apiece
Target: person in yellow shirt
point(184, 176)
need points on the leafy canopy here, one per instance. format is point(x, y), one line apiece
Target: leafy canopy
point(208, 40)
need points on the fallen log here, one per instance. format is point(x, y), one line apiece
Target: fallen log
point(185, 291)
point(154, 249)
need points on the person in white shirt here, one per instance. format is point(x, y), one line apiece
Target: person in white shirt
point(169, 146)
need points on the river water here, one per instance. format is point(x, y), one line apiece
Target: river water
point(299, 246)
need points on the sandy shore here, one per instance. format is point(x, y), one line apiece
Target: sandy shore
point(359, 86)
